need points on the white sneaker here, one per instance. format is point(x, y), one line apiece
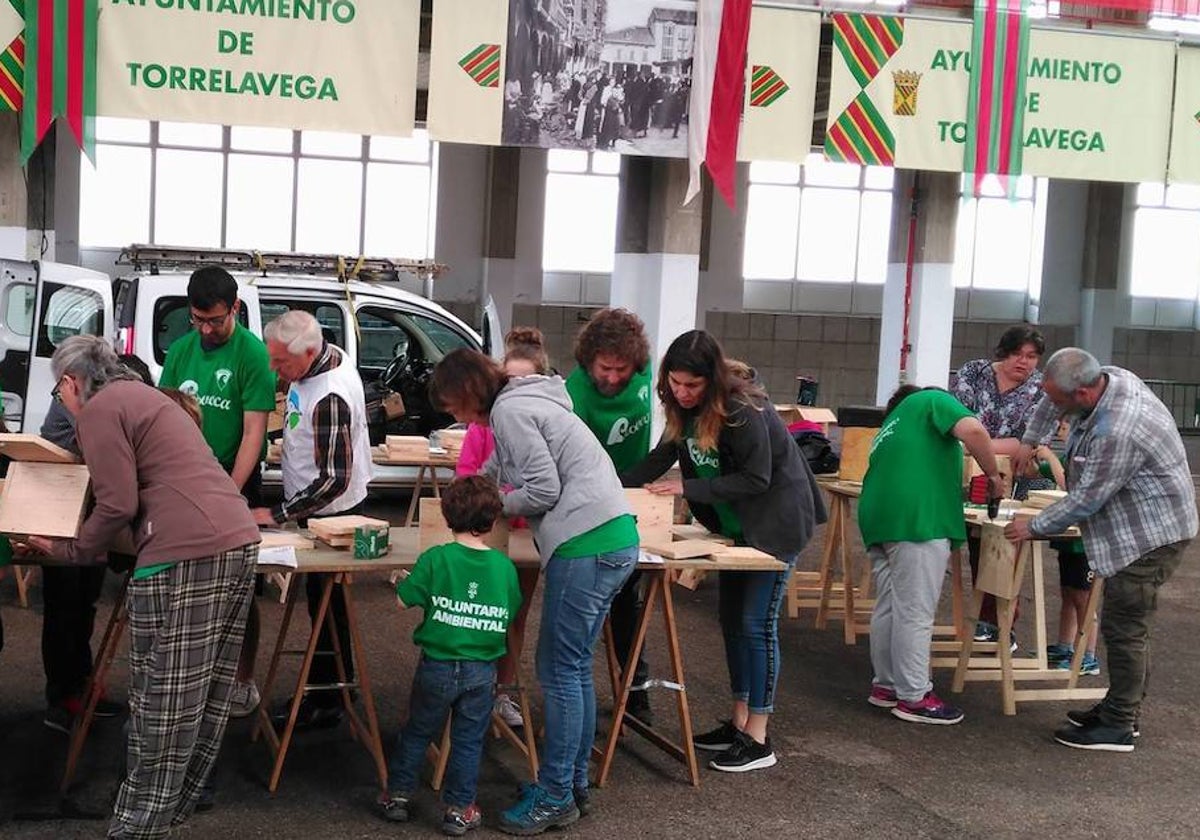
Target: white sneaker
point(509, 711)
point(244, 699)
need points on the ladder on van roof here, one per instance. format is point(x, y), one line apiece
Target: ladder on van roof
point(153, 258)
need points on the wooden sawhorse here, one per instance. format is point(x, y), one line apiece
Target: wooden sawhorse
point(835, 590)
point(340, 567)
point(1002, 573)
point(439, 755)
point(110, 642)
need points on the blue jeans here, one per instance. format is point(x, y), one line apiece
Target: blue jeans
point(748, 606)
point(575, 599)
point(467, 688)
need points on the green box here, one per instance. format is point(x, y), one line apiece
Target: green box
point(370, 541)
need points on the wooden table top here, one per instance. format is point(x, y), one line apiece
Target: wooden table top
point(405, 548)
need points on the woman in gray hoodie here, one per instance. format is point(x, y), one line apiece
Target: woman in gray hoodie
point(561, 480)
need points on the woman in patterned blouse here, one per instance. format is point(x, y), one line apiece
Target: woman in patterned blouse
point(1003, 392)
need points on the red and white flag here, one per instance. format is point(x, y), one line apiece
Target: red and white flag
point(718, 76)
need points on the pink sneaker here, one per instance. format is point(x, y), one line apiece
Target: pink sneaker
point(929, 709)
point(884, 698)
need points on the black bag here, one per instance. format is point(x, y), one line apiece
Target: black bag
point(818, 451)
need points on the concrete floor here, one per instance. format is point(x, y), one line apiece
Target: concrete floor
point(846, 769)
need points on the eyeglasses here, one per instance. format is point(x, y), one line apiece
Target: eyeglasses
point(213, 323)
point(56, 394)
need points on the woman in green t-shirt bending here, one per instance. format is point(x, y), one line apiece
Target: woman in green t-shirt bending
point(743, 477)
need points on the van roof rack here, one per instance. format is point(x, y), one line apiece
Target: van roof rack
point(153, 258)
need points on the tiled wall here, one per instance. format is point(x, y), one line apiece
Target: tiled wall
point(1158, 354)
point(843, 352)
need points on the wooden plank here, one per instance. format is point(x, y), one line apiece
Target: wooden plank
point(433, 529)
point(696, 531)
point(741, 552)
point(655, 515)
point(34, 448)
point(343, 526)
point(856, 451)
point(680, 549)
point(997, 563)
point(45, 500)
point(1044, 498)
point(275, 538)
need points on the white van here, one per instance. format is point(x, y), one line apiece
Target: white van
point(393, 336)
point(41, 304)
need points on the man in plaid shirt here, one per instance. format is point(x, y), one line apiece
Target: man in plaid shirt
point(1131, 492)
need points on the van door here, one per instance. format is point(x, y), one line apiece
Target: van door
point(18, 288)
point(70, 301)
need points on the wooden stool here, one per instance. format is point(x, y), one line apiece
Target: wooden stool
point(23, 575)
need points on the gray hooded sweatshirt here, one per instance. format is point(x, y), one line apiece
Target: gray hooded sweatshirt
point(563, 481)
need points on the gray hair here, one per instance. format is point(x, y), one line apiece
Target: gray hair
point(1072, 368)
point(90, 361)
point(297, 330)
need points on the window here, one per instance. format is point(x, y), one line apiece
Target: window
point(328, 315)
point(18, 309)
point(68, 311)
point(824, 222)
point(574, 239)
point(1166, 242)
point(172, 320)
point(998, 241)
point(259, 188)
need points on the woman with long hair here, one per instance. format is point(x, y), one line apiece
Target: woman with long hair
point(743, 477)
point(559, 478)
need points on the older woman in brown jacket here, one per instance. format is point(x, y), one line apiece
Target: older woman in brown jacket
point(197, 548)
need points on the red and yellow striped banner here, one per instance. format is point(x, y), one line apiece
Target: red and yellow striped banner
point(12, 68)
point(866, 42)
point(861, 135)
point(765, 86)
point(12, 75)
point(483, 65)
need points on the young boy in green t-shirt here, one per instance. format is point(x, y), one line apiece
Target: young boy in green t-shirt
point(469, 593)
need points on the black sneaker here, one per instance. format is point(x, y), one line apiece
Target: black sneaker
point(1096, 737)
point(59, 718)
point(108, 708)
point(639, 706)
point(458, 821)
point(746, 754)
point(395, 807)
point(583, 800)
point(1091, 717)
point(718, 740)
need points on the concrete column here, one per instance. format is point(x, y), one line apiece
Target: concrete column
point(458, 225)
point(1062, 262)
point(931, 319)
point(722, 246)
point(657, 266)
point(13, 205)
point(1098, 299)
point(514, 225)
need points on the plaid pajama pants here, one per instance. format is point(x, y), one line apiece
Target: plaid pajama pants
point(186, 625)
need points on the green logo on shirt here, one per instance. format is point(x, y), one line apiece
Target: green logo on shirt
point(703, 457)
point(623, 429)
point(223, 376)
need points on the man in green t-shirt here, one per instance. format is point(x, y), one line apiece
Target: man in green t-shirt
point(910, 515)
point(611, 393)
point(225, 367)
